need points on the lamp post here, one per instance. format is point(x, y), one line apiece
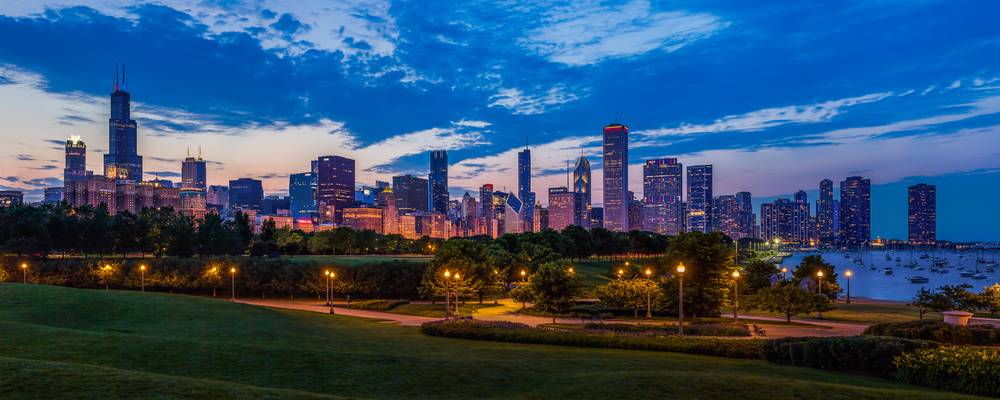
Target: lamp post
point(457, 277)
point(621, 273)
point(232, 280)
point(784, 273)
point(214, 272)
point(736, 296)
point(819, 290)
point(649, 301)
point(107, 277)
point(447, 294)
point(329, 292)
point(848, 275)
point(327, 273)
point(142, 278)
point(680, 303)
point(24, 272)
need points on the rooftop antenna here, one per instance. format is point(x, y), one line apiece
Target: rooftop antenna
point(189, 152)
point(123, 76)
point(199, 152)
point(116, 77)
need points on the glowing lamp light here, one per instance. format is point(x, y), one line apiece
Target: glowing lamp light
point(649, 272)
point(447, 274)
point(232, 270)
point(142, 267)
point(819, 274)
point(848, 274)
point(736, 274)
point(680, 268)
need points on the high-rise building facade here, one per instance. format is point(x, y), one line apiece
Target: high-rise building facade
point(439, 181)
point(193, 173)
point(824, 213)
point(662, 188)
point(855, 212)
point(635, 213)
point(581, 184)
point(747, 220)
point(486, 200)
point(565, 208)
point(699, 198)
point(334, 187)
point(218, 197)
point(727, 216)
point(245, 193)
point(122, 162)
point(390, 213)
point(922, 215)
point(615, 178)
point(302, 194)
point(803, 223)
point(76, 160)
point(411, 192)
point(524, 187)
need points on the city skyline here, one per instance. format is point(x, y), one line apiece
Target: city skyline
point(483, 150)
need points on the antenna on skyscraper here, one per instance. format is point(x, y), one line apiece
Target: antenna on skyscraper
point(199, 152)
point(123, 77)
point(189, 152)
point(116, 77)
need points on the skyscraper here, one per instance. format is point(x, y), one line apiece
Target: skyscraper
point(122, 162)
point(334, 187)
point(662, 188)
point(193, 172)
point(218, 197)
point(439, 181)
point(581, 185)
point(565, 208)
point(302, 191)
point(390, 213)
point(699, 198)
point(486, 200)
point(747, 222)
point(922, 218)
point(727, 216)
point(824, 213)
point(635, 213)
point(615, 178)
point(855, 211)
point(803, 223)
point(245, 193)
point(524, 187)
point(76, 159)
point(411, 193)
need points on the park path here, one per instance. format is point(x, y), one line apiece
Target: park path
point(507, 311)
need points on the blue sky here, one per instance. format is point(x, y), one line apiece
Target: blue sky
point(777, 95)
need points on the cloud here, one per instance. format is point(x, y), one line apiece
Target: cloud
point(520, 103)
point(955, 85)
point(589, 32)
point(770, 117)
point(928, 90)
point(25, 157)
point(163, 174)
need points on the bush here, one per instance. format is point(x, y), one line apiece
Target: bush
point(937, 331)
point(693, 330)
point(962, 369)
point(870, 354)
point(377, 305)
point(520, 333)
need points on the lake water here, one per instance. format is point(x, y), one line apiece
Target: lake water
point(875, 284)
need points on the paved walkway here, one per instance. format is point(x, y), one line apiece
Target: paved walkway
point(507, 311)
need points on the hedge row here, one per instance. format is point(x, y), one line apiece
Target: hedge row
point(520, 333)
point(961, 369)
point(377, 305)
point(693, 330)
point(868, 354)
point(938, 331)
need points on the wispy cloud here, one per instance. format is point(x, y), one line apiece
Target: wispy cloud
point(770, 117)
point(519, 102)
point(589, 32)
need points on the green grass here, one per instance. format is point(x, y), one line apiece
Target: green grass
point(863, 312)
point(95, 344)
point(354, 261)
point(437, 310)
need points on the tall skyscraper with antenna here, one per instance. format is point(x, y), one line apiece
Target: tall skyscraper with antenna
point(193, 172)
point(122, 162)
point(616, 177)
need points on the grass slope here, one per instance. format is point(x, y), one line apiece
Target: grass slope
point(96, 344)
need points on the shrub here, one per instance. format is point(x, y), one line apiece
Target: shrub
point(870, 354)
point(962, 369)
point(693, 330)
point(937, 331)
point(520, 333)
point(377, 305)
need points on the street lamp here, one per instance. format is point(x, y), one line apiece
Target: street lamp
point(680, 304)
point(649, 293)
point(621, 273)
point(784, 273)
point(848, 275)
point(107, 277)
point(819, 290)
point(232, 280)
point(447, 294)
point(327, 273)
point(457, 277)
point(329, 283)
point(24, 272)
point(736, 296)
point(142, 278)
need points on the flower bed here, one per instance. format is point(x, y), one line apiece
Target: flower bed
point(693, 330)
point(377, 305)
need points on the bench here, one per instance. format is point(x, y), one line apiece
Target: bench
point(758, 331)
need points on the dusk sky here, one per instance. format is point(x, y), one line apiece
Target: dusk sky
point(776, 95)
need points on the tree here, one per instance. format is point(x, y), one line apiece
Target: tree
point(807, 269)
point(621, 293)
point(960, 297)
point(990, 298)
point(759, 273)
point(789, 299)
point(555, 288)
point(464, 257)
point(212, 276)
point(709, 261)
point(928, 300)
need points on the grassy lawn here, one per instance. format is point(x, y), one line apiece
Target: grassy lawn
point(863, 312)
point(95, 344)
point(437, 310)
point(353, 261)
